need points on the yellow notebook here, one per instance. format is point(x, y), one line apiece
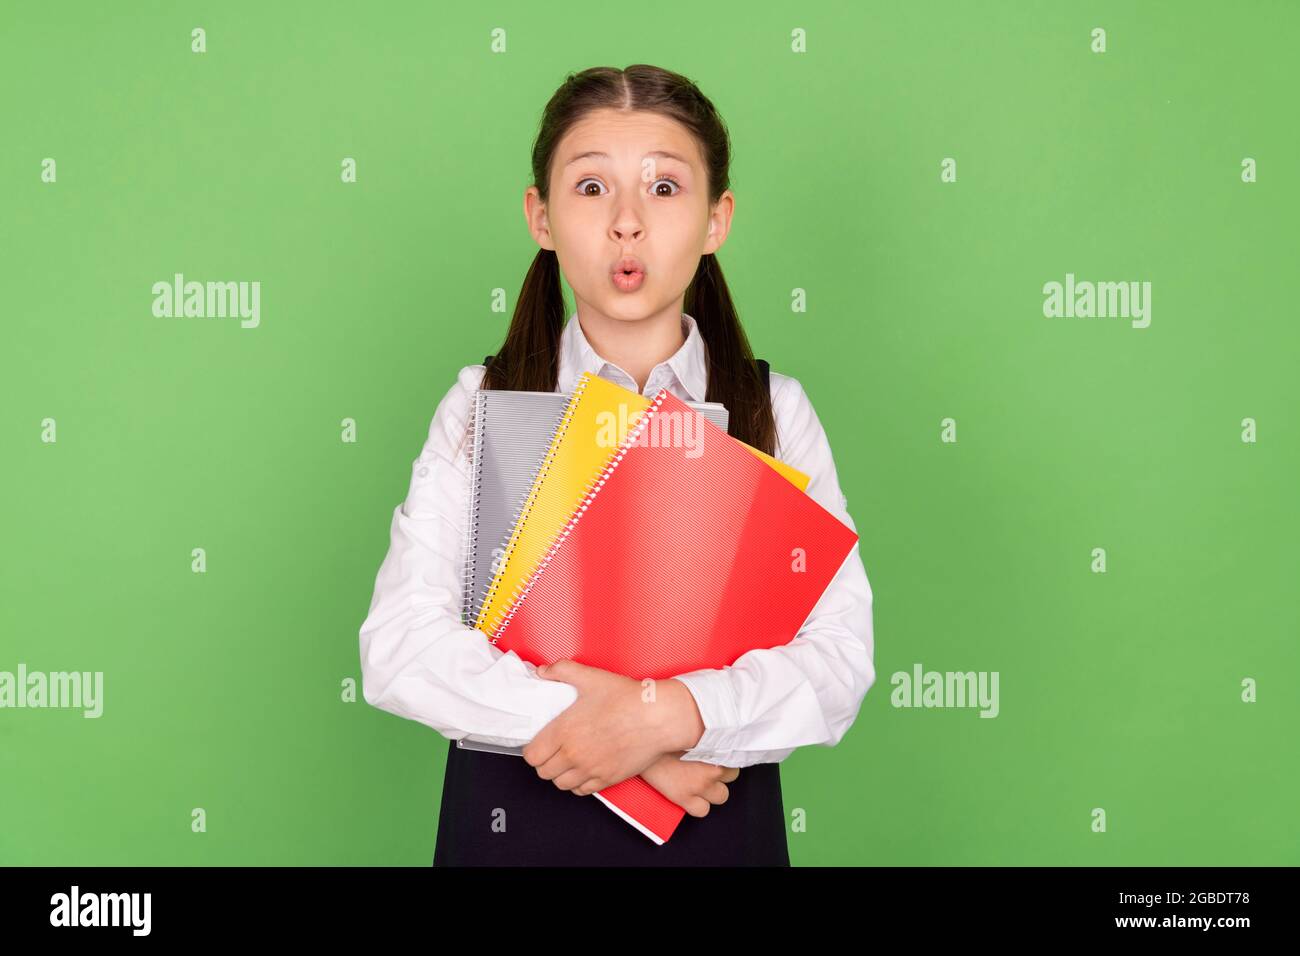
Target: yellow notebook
point(591, 430)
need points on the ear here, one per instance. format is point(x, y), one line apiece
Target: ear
point(719, 222)
point(535, 216)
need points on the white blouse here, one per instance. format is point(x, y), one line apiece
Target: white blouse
point(419, 661)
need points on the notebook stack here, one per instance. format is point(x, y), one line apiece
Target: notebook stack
point(637, 536)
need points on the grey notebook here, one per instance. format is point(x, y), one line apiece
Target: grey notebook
point(510, 433)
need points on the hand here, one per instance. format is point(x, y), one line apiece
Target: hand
point(693, 785)
point(611, 732)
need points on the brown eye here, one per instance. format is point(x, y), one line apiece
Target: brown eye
point(584, 191)
point(676, 186)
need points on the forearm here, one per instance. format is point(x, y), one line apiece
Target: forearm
point(676, 720)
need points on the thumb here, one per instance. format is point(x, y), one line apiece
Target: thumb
point(559, 670)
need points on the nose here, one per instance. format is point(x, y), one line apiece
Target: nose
point(623, 231)
point(627, 225)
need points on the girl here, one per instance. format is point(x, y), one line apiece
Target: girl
point(631, 202)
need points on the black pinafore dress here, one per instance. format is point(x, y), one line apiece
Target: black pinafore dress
point(496, 811)
point(547, 826)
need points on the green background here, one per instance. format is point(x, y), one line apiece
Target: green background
point(222, 690)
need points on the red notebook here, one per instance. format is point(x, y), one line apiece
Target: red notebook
point(678, 559)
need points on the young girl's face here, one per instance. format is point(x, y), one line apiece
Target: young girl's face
point(645, 197)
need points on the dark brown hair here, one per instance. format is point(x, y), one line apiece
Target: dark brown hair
point(528, 359)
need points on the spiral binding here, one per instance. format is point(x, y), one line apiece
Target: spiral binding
point(469, 546)
point(473, 603)
point(525, 505)
point(588, 495)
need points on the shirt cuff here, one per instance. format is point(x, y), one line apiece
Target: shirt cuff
point(497, 741)
point(716, 701)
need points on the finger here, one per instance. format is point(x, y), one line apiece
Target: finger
point(572, 779)
point(696, 807)
point(541, 748)
point(729, 774)
point(717, 793)
point(557, 765)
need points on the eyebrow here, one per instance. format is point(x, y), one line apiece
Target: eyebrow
point(657, 154)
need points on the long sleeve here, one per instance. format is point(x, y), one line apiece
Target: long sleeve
point(418, 660)
point(809, 691)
